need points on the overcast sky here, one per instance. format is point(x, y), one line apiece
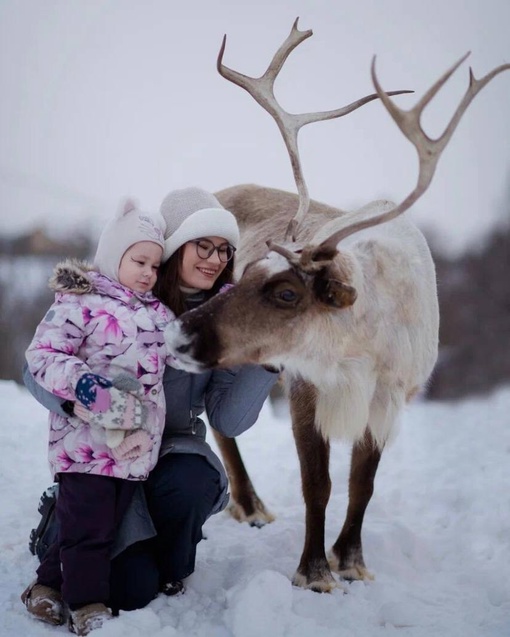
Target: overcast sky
point(107, 98)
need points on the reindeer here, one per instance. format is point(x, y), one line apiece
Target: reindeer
point(346, 305)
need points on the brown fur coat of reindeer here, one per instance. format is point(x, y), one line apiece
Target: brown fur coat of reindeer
point(346, 305)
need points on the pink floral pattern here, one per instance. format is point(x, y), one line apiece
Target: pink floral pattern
point(110, 331)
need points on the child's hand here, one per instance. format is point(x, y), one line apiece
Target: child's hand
point(124, 445)
point(87, 416)
point(126, 412)
point(122, 410)
point(92, 391)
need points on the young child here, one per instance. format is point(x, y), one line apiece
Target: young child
point(101, 347)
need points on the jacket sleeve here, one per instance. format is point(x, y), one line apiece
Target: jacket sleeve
point(52, 355)
point(46, 398)
point(234, 397)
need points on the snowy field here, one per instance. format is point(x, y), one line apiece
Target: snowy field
point(436, 535)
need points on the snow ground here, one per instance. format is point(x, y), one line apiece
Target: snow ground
point(436, 534)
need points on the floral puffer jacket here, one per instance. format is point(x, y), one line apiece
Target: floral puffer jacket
point(97, 325)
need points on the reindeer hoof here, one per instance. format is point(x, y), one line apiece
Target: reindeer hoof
point(324, 584)
point(259, 518)
point(258, 523)
point(356, 571)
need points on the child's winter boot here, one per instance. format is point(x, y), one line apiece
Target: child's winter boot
point(44, 603)
point(87, 618)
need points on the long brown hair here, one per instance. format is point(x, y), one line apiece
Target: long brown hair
point(168, 289)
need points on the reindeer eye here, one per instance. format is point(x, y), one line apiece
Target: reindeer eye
point(283, 293)
point(288, 296)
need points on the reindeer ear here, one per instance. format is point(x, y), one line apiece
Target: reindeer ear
point(323, 253)
point(333, 292)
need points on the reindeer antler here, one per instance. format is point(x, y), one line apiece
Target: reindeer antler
point(429, 150)
point(262, 90)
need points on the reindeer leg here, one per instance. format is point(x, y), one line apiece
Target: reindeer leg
point(346, 555)
point(313, 571)
point(246, 506)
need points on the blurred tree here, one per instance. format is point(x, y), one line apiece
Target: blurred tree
point(474, 300)
point(26, 264)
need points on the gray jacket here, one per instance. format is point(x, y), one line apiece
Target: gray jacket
point(232, 400)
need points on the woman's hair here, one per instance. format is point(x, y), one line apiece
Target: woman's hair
point(168, 285)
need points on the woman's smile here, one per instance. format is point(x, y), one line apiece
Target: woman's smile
point(208, 272)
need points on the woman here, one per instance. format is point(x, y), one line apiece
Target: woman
point(156, 543)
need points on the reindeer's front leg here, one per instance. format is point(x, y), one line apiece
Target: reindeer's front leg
point(313, 571)
point(246, 506)
point(346, 555)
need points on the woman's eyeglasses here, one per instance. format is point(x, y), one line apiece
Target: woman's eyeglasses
point(206, 248)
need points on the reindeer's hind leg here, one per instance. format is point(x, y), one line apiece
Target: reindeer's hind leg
point(346, 555)
point(246, 506)
point(313, 571)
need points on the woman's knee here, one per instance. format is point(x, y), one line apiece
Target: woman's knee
point(183, 482)
point(134, 579)
point(135, 599)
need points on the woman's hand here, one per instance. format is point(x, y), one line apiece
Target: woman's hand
point(133, 446)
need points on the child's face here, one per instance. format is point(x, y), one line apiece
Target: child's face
point(198, 272)
point(138, 269)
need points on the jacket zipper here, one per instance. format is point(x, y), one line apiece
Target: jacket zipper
point(192, 417)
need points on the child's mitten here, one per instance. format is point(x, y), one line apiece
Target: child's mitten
point(92, 391)
point(125, 412)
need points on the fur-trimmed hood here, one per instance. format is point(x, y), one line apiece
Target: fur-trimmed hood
point(72, 276)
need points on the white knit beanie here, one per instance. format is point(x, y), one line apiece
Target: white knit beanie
point(129, 226)
point(192, 213)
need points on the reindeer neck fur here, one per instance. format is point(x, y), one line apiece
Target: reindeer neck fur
point(375, 354)
point(346, 374)
point(399, 333)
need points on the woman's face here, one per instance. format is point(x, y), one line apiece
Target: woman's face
point(198, 272)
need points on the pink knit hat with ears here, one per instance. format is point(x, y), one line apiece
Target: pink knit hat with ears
point(129, 226)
